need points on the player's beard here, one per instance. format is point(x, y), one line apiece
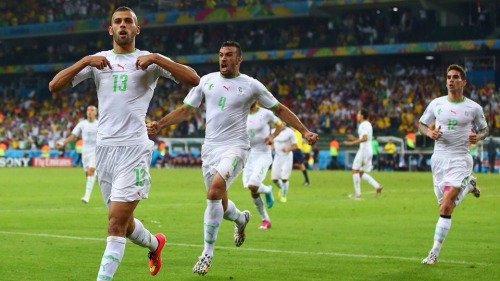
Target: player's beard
point(122, 42)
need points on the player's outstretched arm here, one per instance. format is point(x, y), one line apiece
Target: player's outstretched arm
point(181, 72)
point(63, 79)
point(180, 114)
point(285, 114)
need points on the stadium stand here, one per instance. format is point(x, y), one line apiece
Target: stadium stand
point(323, 63)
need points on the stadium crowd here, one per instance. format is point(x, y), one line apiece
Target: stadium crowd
point(325, 94)
point(350, 28)
point(326, 100)
point(14, 13)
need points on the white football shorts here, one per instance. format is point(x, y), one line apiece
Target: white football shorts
point(228, 162)
point(256, 168)
point(450, 171)
point(362, 162)
point(123, 172)
point(282, 166)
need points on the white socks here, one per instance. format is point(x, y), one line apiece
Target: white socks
point(284, 188)
point(264, 188)
point(357, 185)
point(442, 227)
point(89, 186)
point(111, 258)
point(212, 220)
point(142, 237)
point(259, 205)
point(370, 180)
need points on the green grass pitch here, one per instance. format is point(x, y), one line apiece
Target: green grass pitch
point(46, 233)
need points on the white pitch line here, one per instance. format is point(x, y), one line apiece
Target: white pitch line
point(361, 256)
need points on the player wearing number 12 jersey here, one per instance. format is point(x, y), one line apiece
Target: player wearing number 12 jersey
point(454, 117)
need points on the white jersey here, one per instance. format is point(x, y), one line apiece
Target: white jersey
point(286, 138)
point(124, 93)
point(88, 131)
point(228, 102)
point(456, 120)
point(258, 128)
point(365, 128)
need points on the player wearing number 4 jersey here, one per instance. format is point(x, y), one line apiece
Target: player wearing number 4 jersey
point(453, 116)
point(125, 79)
point(228, 96)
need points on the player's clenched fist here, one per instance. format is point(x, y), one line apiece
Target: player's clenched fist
point(153, 128)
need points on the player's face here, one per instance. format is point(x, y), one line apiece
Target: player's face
point(229, 61)
point(91, 113)
point(359, 116)
point(454, 82)
point(124, 27)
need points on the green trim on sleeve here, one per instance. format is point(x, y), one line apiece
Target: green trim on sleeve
point(188, 105)
point(275, 105)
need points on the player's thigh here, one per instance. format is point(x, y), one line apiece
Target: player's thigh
point(260, 166)
point(357, 163)
point(366, 164)
point(228, 162)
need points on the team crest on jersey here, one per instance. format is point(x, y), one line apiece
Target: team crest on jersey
point(210, 86)
point(439, 111)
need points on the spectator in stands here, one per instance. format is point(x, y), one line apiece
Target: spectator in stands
point(390, 151)
point(375, 152)
point(334, 153)
point(474, 151)
point(492, 153)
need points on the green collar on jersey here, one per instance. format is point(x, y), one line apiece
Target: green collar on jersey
point(448, 98)
point(113, 51)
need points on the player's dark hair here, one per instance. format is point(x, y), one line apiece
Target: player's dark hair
point(125, 8)
point(364, 113)
point(458, 68)
point(233, 44)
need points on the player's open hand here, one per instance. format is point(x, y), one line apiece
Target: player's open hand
point(59, 145)
point(435, 134)
point(99, 62)
point(153, 128)
point(311, 137)
point(144, 61)
point(351, 137)
point(473, 138)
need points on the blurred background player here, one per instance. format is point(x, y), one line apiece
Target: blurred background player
point(259, 123)
point(87, 129)
point(284, 145)
point(453, 116)
point(362, 164)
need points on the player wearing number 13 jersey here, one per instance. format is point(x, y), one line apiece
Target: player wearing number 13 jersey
point(455, 120)
point(125, 80)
